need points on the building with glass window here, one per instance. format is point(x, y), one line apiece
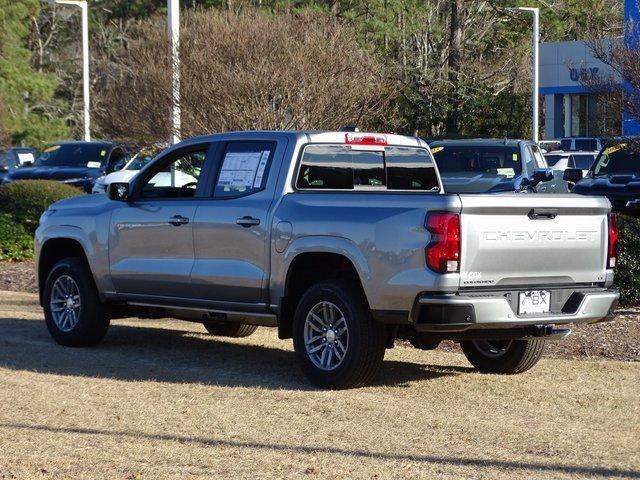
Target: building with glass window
point(572, 109)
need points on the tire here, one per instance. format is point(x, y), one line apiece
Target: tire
point(503, 356)
point(362, 344)
point(84, 321)
point(229, 329)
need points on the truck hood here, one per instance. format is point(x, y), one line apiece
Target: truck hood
point(474, 182)
point(53, 173)
point(83, 201)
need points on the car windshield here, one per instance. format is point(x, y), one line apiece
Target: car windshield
point(485, 160)
point(139, 161)
point(552, 160)
point(88, 155)
point(621, 159)
point(583, 161)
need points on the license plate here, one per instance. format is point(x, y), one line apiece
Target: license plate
point(534, 301)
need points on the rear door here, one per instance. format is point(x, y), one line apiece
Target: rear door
point(512, 240)
point(231, 227)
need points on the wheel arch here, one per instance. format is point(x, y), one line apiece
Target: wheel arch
point(308, 263)
point(52, 251)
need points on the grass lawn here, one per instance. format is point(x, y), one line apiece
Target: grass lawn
point(161, 399)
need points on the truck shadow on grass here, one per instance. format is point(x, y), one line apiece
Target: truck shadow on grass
point(175, 356)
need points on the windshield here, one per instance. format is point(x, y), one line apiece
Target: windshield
point(583, 161)
point(138, 162)
point(486, 160)
point(552, 160)
point(618, 160)
point(88, 155)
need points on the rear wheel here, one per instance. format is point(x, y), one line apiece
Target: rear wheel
point(503, 356)
point(74, 315)
point(229, 329)
point(337, 342)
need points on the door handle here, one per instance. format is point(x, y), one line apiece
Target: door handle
point(247, 221)
point(178, 220)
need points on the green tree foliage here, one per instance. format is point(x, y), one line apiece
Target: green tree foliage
point(26, 93)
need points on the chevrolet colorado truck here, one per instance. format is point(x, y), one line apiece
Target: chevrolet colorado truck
point(342, 241)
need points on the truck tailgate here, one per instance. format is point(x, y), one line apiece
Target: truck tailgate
point(533, 239)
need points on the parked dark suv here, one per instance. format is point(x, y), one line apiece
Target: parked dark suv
point(614, 174)
point(74, 163)
point(490, 166)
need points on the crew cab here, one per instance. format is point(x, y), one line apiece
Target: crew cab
point(342, 241)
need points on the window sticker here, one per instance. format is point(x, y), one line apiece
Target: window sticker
point(261, 166)
point(25, 157)
point(437, 149)
point(514, 157)
point(103, 153)
point(239, 170)
point(614, 148)
point(93, 164)
point(507, 172)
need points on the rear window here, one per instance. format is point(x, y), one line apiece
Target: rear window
point(340, 167)
point(586, 144)
point(486, 160)
point(583, 162)
point(565, 144)
point(552, 160)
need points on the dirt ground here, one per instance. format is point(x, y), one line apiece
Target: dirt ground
point(161, 399)
point(617, 340)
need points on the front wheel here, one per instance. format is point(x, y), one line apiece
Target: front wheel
point(503, 356)
point(337, 342)
point(73, 312)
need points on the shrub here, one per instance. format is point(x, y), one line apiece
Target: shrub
point(627, 276)
point(15, 242)
point(26, 200)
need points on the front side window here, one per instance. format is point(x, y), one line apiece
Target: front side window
point(340, 167)
point(586, 144)
point(552, 160)
point(583, 162)
point(244, 168)
point(539, 158)
point(178, 179)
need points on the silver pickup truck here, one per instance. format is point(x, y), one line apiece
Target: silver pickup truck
point(343, 241)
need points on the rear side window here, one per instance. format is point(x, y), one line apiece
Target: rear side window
point(586, 144)
point(565, 144)
point(339, 167)
point(583, 162)
point(244, 170)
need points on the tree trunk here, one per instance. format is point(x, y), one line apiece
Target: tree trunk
point(453, 66)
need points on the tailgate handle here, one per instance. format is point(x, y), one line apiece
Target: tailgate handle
point(543, 213)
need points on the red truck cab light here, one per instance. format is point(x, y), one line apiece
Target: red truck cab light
point(356, 138)
point(612, 251)
point(443, 252)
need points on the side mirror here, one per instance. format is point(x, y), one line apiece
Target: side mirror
point(573, 175)
point(542, 175)
point(28, 163)
point(118, 191)
point(4, 168)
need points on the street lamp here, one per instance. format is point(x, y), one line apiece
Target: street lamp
point(535, 35)
point(173, 26)
point(85, 59)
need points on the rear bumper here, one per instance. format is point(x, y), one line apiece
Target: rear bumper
point(455, 313)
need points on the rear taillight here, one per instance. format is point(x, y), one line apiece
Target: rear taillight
point(443, 252)
point(612, 251)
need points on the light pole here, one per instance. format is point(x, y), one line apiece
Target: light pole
point(173, 26)
point(535, 36)
point(85, 59)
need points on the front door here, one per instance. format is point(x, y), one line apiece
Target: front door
point(151, 237)
point(231, 228)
